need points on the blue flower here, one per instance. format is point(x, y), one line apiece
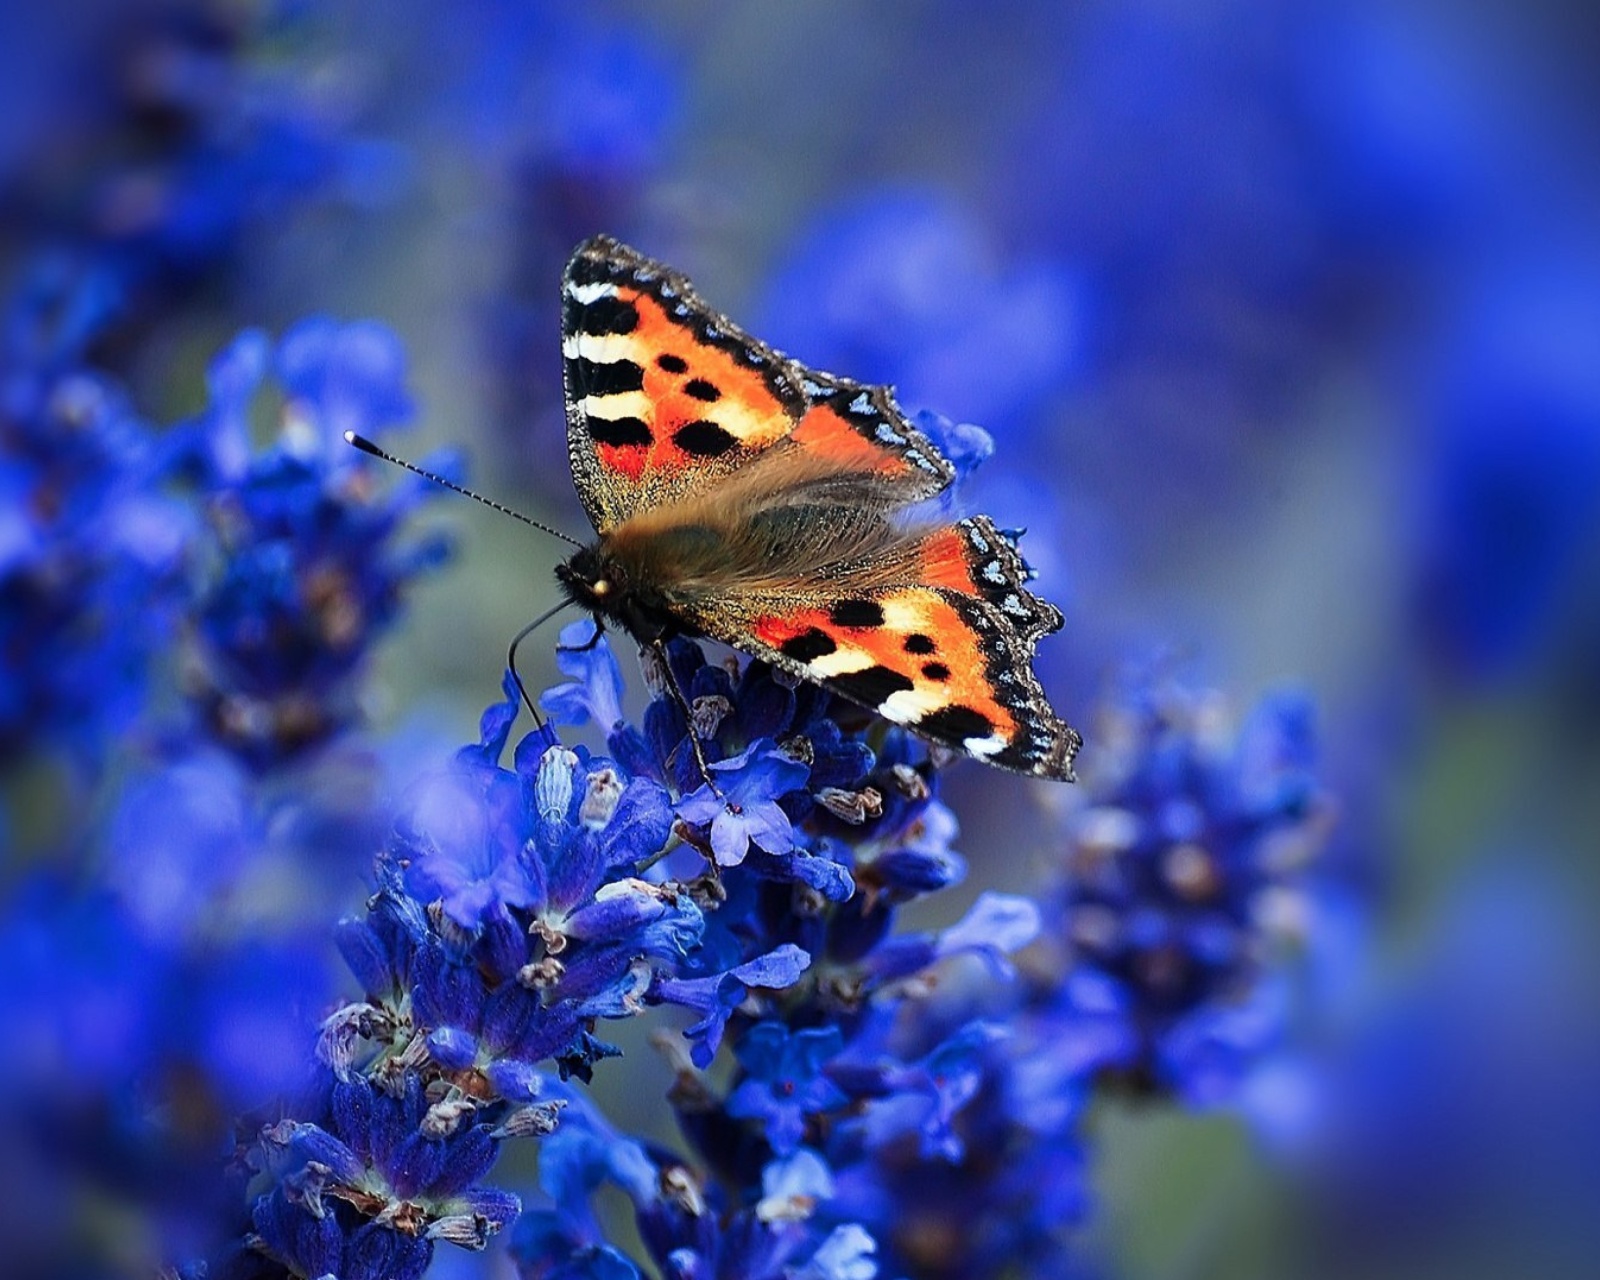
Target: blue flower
point(89, 539)
point(384, 1179)
point(545, 1249)
point(307, 570)
point(595, 688)
point(784, 1081)
point(717, 996)
point(925, 1097)
point(747, 812)
point(544, 928)
point(997, 925)
point(688, 1227)
point(847, 1254)
point(1186, 854)
point(965, 445)
point(466, 828)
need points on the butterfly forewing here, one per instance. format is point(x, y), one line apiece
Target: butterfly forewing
point(666, 397)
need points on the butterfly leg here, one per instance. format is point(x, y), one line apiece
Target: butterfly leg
point(660, 647)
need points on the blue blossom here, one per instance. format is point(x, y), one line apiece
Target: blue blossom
point(996, 926)
point(917, 858)
point(545, 927)
point(793, 1185)
point(964, 445)
point(506, 921)
point(747, 811)
point(306, 571)
point(693, 1234)
point(1184, 879)
point(925, 1097)
point(594, 691)
point(386, 1177)
point(89, 538)
point(545, 1250)
point(717, 996)
point(983, 1128)
point(467, 831)
point(784, 1081)
point(847, 1254)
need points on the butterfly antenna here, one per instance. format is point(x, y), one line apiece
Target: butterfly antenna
point(366, 446)
point(511, 659)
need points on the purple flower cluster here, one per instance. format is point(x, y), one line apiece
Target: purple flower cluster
point(886, 1086)
point(88, 541)
point(1186, 877)
point(165, 141)
point(521, 902)
point(847, 1088)
point(305, 569)
point(168, 935)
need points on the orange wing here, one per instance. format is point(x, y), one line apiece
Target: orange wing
point(665, 396)
point(949, 654)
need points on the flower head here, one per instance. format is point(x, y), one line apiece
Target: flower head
point(1183, 876)
point(747, 811)
point(305, 570)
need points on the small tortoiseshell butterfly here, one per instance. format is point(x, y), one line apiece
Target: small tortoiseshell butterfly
point(742, 496)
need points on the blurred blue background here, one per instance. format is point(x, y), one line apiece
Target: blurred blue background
point(1285, 320)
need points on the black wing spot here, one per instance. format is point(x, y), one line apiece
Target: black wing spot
point(607, 378)
point(872, 685)
point(936, 671)
point(916, 642)
point(584, 269)
point(856, 613)
point(672, 363)
point(808, 646)
point(608, 315)
point(955, 724)
point(703, 439)
point(700, 389)
point(619, 431)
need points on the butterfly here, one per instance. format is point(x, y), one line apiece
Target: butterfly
point(741, 496)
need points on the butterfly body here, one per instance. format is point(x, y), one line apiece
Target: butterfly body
point(741, 496)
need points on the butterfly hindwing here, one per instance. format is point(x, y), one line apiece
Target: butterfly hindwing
point(947, 653)
point(665, 396)
point(974, 558)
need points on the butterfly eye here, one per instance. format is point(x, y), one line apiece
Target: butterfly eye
point(600, 587)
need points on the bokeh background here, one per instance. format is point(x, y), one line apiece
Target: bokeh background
point(1285, 319)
